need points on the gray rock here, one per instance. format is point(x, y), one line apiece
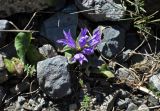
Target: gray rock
point(21, 99)
point(126, 24)
point(132, 107)
point(42, 102)
point(9, 51)
point(155, 80)
point(2, 66)
point(72, 107)
point(38, 107)
point(143, 107)
point(122, 104)
point(113, 41)
point(20, 102)
point(132, 41)
point(126, 55)
point(53, 27)
point(9, 7)
point(27, 107)
point(18, 106)
point(32, 102)
point(152, 6)
point(54, 77)
point(57, 4)
point(47, 51)
point(123, 94)
point(2, 94)
point(4, 25)
point(102, 10)
point(125, 75)
point(108, 103)
point(3, 72)
point(50, 103)
point(153, 101)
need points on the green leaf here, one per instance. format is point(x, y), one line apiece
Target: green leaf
point(104, 70)
point(68, 52)
point(103, 67)
point(81, 82)
point(30, 70)
point(68, 55)
point(108, 73)
point(33, 55)
point(66, 48)
point(9, 66)
point(22, 43)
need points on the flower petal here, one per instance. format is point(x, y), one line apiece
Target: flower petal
point(62, 41)
point(70, 41)
point(82, 41)
point(83, 37)
point(88, 51)
point(79, 57)
point(96, 38)
point(83, 32)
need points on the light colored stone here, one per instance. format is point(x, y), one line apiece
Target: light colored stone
point(47, 51)
point(143, 107)
point(102, 10)
point(155, 80)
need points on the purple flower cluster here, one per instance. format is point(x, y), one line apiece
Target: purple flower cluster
point(84, 45)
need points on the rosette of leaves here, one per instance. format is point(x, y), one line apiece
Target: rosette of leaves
point(27, 53)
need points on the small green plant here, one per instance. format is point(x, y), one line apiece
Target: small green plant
point(140, 18)
point(27, 53)
point(30, 70)
point(85, 103)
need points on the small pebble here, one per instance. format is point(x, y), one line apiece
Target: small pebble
point(39, 100)
point(38, 107)
point(42, 102)
point(153, 101)
point(143, 107)
point(72, 107)
point(32, 102)
point(132, 107)
point(21, 99)
point(50, 103)
point(26, 106)
point(44, 109)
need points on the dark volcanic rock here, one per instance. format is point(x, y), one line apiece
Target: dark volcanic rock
point(131, 41)
point(53, 27)
point(9, 7)
point(54, 77)
point(152, 5)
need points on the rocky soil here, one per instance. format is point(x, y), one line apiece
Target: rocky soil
point(128, 56)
